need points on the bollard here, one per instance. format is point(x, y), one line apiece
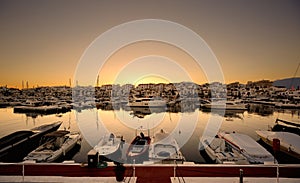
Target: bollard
point(241, 175)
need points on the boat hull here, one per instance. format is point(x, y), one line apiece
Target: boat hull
point(224, 107)
point(16, 151)
point(109, 148)
point(221, 152)
point(138, 152)
point(48, 155)
point(253, 151)
point(284, 146)
point(165, 149)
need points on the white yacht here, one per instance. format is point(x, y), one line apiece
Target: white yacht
point(228, 105)
point(147, 102)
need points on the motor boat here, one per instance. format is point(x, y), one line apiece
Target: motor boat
point(54, 145)
point(165, 149)
point(289, 142)
point(138, 150)
point(15, 146)
point(108, 147)
point(147, 102)
point(252, 150)
point(224, 105)
point(221, 152)
point(286, 126)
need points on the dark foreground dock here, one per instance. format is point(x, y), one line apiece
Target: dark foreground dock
point(151, 173)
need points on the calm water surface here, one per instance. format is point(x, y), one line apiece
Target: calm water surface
point(186, 127)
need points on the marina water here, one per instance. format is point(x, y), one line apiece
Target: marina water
point(94, 123)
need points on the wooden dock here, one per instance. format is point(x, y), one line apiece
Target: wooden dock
point(149, 173)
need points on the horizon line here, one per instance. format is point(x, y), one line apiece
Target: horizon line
point(103, 84)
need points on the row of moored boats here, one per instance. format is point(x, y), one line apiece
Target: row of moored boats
point(47, 144)
point(44, 143)
point(237, 148)
point(161, 148)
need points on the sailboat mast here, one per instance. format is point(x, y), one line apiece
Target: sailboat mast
point(291, 85)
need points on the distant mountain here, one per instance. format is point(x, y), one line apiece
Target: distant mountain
point(288, 83)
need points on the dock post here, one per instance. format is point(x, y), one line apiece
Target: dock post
point(174, 169)
point(241, 175)
point(277, 173)
point(133, 168)
point(23, 171)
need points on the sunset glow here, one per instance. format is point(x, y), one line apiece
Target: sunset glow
point(42, 44)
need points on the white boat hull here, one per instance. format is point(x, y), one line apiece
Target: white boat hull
point(108, 148)
point(165, 149)
point(289, 142)
point(44, 154)
point(147, 102)
point(253, 151)
point(220, 154)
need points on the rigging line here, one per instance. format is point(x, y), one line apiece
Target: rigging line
point(294, 75)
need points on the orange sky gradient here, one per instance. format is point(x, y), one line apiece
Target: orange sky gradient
point(42, 42)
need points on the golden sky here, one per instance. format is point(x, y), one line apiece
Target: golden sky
point(43, 41)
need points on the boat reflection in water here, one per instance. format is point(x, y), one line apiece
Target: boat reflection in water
point(141, 112)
